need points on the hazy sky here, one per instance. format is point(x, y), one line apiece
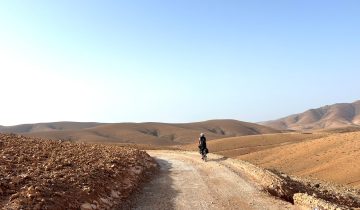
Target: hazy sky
point(175, 60)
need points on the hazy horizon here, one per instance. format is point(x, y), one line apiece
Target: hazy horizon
point(169, 122)
point(175, 61)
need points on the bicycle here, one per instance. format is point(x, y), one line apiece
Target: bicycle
point(203, 153)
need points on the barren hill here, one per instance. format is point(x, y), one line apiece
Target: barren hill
point(326, 117)
point(53, 126)
point(140, 133)
point(235, 146)
point(334, 158)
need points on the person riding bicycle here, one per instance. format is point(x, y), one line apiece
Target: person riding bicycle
point(202, 145)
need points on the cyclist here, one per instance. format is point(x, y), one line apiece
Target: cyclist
point(202, 146)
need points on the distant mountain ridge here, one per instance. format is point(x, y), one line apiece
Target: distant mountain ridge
point(139, 133)
point(52, 126)
point(327, 117)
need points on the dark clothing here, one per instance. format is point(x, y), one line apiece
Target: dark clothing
point(202, 145)
point(202, 141)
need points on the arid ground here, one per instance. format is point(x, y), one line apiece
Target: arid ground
point(305, 159)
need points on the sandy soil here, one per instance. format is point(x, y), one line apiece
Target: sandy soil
point(334, 158)
point(186, 182)
point(240, 145)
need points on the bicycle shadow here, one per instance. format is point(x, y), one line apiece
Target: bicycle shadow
point(217, 159)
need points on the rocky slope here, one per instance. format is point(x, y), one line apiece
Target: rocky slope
point(45, 174)
point(326, 117)
point(308, 193)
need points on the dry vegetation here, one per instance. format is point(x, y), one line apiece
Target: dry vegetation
point(308, 193)
point(235, 146)
point(334, 158)
point(45, 174)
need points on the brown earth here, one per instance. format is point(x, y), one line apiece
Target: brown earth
point(331, 157)
point(45, 174)
point(158, 134)
point(235, 146)
point(187, 182)
point(321, 156)
point(333, 116)
point(346, 129)
point(334, 158)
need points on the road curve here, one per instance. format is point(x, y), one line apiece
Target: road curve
point(186, 182)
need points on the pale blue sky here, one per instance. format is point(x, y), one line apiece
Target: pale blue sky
point(175, 61)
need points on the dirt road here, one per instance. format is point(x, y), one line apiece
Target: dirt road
point(186, 182)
